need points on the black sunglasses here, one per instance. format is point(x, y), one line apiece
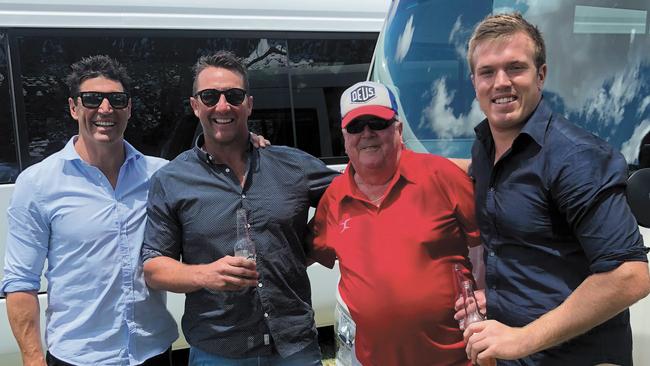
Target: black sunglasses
point(92, 99)
point(210, 97)
point(375, 124)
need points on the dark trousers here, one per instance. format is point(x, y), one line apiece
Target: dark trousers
point(163, 359)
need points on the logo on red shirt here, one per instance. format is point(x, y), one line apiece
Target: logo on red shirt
point(345, 224)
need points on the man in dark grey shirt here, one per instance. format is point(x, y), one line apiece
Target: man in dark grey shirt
point(237, 310)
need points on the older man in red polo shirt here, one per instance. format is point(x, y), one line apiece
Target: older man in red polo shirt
point(398, 221)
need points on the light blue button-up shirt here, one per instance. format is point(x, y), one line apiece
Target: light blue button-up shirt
point(100, 312)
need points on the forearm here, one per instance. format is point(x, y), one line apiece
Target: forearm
point(600, 297)
point(23, 313)
point(164, 273)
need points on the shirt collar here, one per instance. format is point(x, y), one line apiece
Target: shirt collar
point(405, 170)
point(206, 157)
point(537, 124)
point(70, 153)
point(535, 127)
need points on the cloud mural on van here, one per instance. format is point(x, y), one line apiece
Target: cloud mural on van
point(404, 41)
point(439, 116)
point(598, 67)
point(630, 148)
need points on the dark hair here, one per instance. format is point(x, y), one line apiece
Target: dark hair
point(222, 59)
point(503, 25)
point(96, 66)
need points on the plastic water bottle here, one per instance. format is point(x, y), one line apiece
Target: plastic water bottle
point(244, 246)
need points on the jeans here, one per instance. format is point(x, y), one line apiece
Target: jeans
point(163, 359)
point(309, 356)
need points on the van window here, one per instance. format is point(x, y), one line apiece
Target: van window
point(321, 70)
point(8, 154)
point(598, 59)
point(295, 80)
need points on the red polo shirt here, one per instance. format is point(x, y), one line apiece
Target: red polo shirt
point(396, 260)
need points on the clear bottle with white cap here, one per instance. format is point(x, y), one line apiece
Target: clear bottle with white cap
point(244, 246)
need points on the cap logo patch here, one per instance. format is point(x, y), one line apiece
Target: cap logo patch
point(362, 94)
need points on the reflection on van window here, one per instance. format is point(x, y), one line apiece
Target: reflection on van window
point(321, 69)
point(295, 84)
point(598, 68)
point(8, 154)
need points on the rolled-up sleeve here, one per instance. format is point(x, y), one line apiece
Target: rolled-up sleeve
point(28, 238)
point(590, 191)
point(162, 236)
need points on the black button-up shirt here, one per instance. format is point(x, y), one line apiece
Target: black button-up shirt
point(192, 205)
point(551, 212)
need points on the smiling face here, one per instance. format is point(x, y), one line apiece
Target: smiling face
point(103, 125)
point(374, 150)
point(508, 85)
point(223, 123)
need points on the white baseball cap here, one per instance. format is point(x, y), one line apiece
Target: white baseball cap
point(367, 98)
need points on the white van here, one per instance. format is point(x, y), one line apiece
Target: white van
point(301, 56)
point(598, 52)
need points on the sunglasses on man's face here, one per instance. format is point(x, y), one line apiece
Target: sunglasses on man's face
point(92, 99)
point(375, 124)
point(210, 97)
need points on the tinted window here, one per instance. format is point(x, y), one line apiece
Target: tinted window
point(598, 56)
point(162, 122)
point(8, 156)
point(320, 70)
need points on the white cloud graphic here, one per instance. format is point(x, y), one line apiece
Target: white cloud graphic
point(404, 41)
point(630, 148)
point(608, 104)
point(644, 105)
point(439, 117)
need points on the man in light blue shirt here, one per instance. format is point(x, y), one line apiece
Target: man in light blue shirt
point(84, 210)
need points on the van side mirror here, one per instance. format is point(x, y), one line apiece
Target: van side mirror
point(638, 195)
point(644, 156)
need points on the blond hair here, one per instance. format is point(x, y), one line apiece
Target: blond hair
point(504, 25)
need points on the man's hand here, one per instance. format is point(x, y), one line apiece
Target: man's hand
point(460, 309)
point(259, 141)
point(228, 274)
point(489, 339)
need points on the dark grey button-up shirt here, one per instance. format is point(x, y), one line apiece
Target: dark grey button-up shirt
point(192, 205)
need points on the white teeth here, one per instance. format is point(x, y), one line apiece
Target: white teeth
point(223, 121)
point(504, 100)
point(104, 124)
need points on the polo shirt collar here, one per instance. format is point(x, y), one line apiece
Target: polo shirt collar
point(405, 170)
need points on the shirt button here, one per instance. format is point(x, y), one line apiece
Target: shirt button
point(243, 196)
point(227, 170)
point(266, 315)
point(491, 189)
point(248, 226)
point(491, 253)
point(259, 284)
